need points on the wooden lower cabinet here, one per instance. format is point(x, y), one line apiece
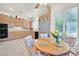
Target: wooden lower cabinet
point(21, 34)
point(18, 35)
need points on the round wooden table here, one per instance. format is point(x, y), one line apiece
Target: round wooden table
point(46, 46)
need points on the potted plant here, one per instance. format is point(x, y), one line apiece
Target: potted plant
point(55, 36)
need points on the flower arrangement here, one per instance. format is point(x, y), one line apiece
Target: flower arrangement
point(55, 35)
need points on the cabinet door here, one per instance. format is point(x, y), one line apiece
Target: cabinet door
point(11, 22)
point(4, 19)
point(12, 35)
point(16, 22)
point(27, 24)
point(18, 34)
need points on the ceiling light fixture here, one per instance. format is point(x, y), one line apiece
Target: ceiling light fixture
point(11, 9)
point(45, 3)
point(41, 3)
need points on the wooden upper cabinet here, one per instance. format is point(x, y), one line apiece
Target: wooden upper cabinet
point(4, 19)
point(22, 23)
point(15, 21)
point(11, 22)
point(27, 24)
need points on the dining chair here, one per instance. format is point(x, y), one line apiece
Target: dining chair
point(44, 35)
point(75, 50)
point(29, 43)
point(69, 40)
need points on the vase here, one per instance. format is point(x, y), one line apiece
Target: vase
point(52, 40)
point(59, 42)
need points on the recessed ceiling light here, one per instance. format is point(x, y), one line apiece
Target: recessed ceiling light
point(45, 3)
point(41, 3)
point(11, 9)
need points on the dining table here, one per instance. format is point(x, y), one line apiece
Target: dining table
point(47, 46)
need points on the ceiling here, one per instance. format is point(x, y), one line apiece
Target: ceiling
point(21, 9)
point(64, 6)
point(25, 10)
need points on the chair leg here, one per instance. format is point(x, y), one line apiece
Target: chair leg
point(68, 54)
point(73, 53)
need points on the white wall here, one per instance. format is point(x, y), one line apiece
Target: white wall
point(44, 26)
point(35, 24)
point(64, 6)
point(52, 27)
point(78, 24)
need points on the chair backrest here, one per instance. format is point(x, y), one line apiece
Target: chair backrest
point(75, 49)
point(29, 41)
point(44, 35)
point(69, 40)
point(76, 45)
point(77, 41)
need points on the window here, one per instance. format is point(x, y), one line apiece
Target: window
point(68, 23)
point(70, 18)
point(59, 22)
